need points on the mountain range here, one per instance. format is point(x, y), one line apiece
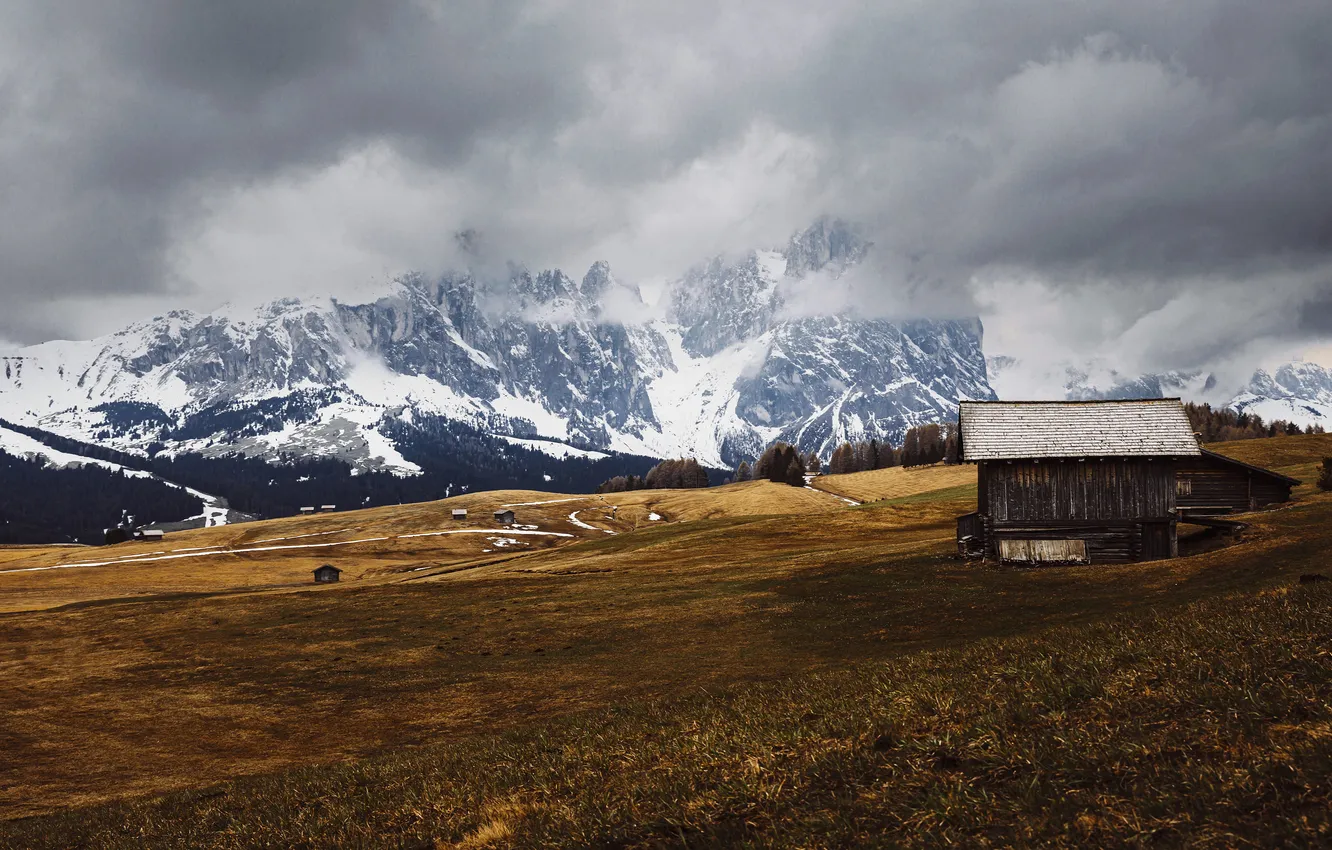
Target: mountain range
point(533, 359)
point(1298, 392)
point(580, 370)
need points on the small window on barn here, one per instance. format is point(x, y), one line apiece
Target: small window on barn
point(1183, 487)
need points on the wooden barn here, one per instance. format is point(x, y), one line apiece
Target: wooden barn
point(326, 574)
point(1213, 484)
point(1097, 475)
point(504, 516)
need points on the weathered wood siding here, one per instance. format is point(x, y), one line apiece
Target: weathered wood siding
point(1107, 542)
point(1110, 490)
point(1023, 551)
point(1209, 485)
point(1121, 509)
point(970, 536)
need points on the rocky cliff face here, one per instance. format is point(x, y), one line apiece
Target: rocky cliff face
point(1296, 392)
point(724, 372)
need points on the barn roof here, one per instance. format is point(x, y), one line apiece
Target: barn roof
point(1010, 430)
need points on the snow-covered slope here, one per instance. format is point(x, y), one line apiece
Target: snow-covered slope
point(1296, 392)
point(724, 372)
point(1017, 380)
point(27, 448)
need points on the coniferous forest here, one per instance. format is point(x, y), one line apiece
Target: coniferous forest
point(40, 504)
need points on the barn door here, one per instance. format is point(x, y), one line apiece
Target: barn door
point(1158, 540)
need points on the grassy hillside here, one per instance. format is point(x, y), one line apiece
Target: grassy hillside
point(1205, 726)
point(897, 482)
point(761, 663)
point(1296, 456)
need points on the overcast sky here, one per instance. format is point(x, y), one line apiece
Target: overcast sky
point(1141, 181)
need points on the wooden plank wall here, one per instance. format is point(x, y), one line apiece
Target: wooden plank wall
point(1107, 542)
point(1217, 486)
point(1027, 551)
point(1107, 490)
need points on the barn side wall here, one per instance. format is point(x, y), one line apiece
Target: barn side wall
point(1214, 486)
point(1107, 542)
point(1123, 509)
point(1108, 490)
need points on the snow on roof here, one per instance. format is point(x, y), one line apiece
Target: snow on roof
point(1005, 430)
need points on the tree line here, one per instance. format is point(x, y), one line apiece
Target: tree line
point(672, 474)
point(921, 446)
point(45, 504)
point(1222, 425)
point(781, 463)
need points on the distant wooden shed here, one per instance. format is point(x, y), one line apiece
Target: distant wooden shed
point(504, 516)
point(324, 508)
point(1213, 484)
point(1100, 472)
point(327, 573)
point(459, 513)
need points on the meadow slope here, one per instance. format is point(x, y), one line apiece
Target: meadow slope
point(171, 676)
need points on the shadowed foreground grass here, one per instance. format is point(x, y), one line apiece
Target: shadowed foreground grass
point(1207, 726)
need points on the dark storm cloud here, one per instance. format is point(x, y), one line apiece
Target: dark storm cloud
point(119, 117)
point(1126, 158)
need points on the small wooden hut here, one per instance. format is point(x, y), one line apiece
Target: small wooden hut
point(504, 516)
point(1098, 472)
point(326, 574)
point(1211, 484)
point(459, 513)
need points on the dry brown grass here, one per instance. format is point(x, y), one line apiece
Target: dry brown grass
point(386, 553)
point(896, 482)
point(1296, 456)
point(140, 690)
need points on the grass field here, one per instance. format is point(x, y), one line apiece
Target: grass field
point(761, 663)
point(897, 482)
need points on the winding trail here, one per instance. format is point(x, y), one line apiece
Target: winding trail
point(247, 549)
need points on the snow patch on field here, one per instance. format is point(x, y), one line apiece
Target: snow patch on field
point(247, 549)
point(852, 502)
point(573, 518)
point(547, 502)
point(483, 531)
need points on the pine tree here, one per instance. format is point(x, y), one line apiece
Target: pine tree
point(911, 448)
point(795, 470)
point(743, 472)
point(840, 464)
point(1325, 475)
point(951, 444)
point(780, 461)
